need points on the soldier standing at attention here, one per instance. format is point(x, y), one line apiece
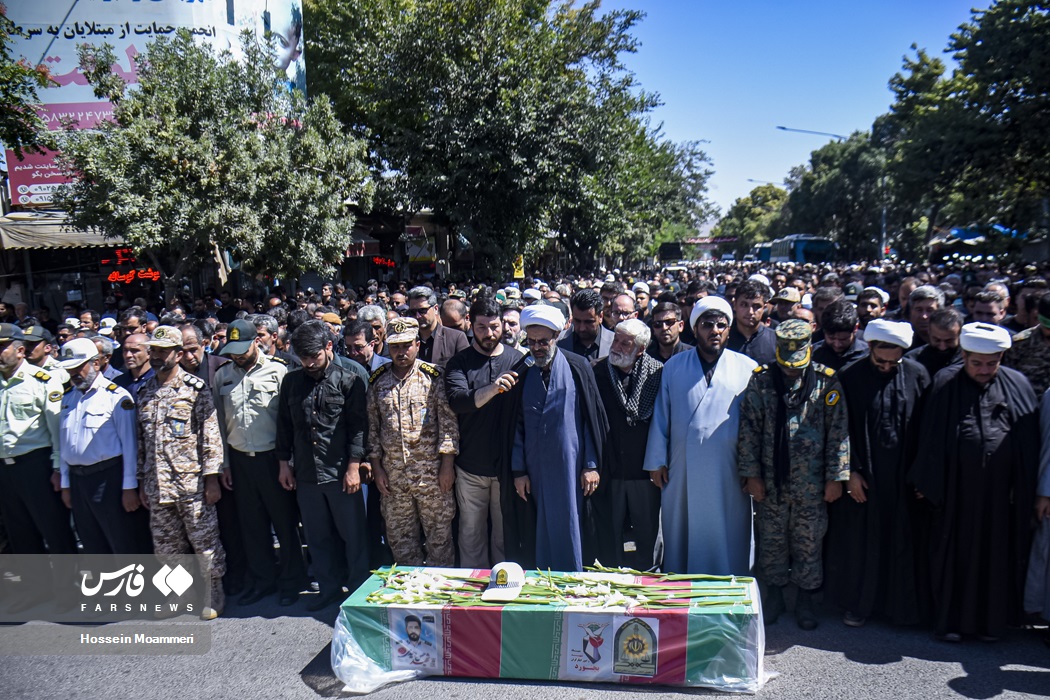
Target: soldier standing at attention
point(99, 455)
point(180, 458)
point(414, 438)
point(30, 401)
point(794, 453)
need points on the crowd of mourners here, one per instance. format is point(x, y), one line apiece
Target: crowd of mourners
point(875, 434)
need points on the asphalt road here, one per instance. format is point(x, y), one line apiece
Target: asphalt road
point(262, 652)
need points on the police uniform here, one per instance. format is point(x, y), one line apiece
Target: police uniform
point(246, 403)
point(99, 460)
point(410, 425)
point(792, 519)
point(179, 445)
point(30, 403)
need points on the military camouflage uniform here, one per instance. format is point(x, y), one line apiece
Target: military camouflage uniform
point(791, 522)
point(1030, 355)
point(410, 425)
point(180, 444)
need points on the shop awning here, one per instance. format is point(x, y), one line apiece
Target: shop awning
point(362, 245)
point(27, 230)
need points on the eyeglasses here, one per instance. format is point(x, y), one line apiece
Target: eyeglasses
point(717, 325)
point(531, 342)
point(420, 312)
point(666, 323)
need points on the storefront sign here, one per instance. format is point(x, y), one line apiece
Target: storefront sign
point(147, 275)
point(384, 262)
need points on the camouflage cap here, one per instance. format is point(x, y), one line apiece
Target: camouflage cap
point(402, 330)
point(793, 343)
point(165, 337)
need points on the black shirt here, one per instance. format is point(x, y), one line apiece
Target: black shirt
point(322, 423)
point(760, 347)
point(590, 352)
point(823, 354)
point(480, 441)
point(654, 349)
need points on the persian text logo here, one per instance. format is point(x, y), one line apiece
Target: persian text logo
point(131, 581)
point(129, 578)
point(169, 580)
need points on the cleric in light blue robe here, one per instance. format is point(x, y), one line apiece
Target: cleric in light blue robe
point(556, 454)
point(706, 516)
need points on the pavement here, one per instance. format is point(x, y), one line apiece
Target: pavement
point(264, 651)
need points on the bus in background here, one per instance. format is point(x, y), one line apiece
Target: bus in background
point(760, 252)
point(803, 248)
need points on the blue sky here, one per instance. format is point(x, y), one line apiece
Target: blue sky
point(730, 71)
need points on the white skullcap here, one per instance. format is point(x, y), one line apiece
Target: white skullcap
point(710, 303)
point(983, 338)
point(640, 287)
point(892, 332)
point(883, 294)
point(542, 315)
point(533, 294)
point(760, 278)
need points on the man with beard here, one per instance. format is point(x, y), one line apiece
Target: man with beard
point(39, 344)
point(246, 392)
point(794, 453)
point(943, 349)
point(194, 359)
point(476, 383)
point(560, 428)
point(748, 335)
point(589, 338)
point(510, 314)
point(667, 332)
point(99, 456)
point(321, 422)
point(179, 461)
point(840, 345)
point(359, 340)
point(871, 304)
point(1030, 353)
point(437, 343)
point(267, 330)
point(871, 551)
point(692, 451)
point(977, 465)
point(628, 381)
point(413, 436)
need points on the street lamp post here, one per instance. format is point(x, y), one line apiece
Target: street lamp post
point(882, 183)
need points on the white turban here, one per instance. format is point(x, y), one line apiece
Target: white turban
point(884, 295)
point(710, 303)
point(542, 315)
point(892, 332)
point(533, 294)
point(984, 338)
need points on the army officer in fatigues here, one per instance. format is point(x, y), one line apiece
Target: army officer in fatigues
point(413, 436)
point(180, 458)
point(32, 510)
point(793, 452)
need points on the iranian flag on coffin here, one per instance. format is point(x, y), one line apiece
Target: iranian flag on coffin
point(714, 646)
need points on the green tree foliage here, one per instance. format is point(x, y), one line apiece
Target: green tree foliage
point(20, 127)
point(512, 119)
point(210, 153)
point(751, 219)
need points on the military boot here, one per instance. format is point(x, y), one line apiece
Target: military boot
point(773, 604)
point(804, 615)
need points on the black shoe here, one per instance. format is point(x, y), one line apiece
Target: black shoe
point(254, 595)
point(852, 619)
point(773, 605)
point(952, 637)
point(288, 599)
point(804, 615)
point(323, 601)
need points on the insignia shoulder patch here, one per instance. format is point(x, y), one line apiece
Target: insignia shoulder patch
point(378, 373)
point(194, 381)
point(112, 387)
point(429, 369)
point(42, 376)
point(832, 397)
point(278, 360)
point(54, 396)
point(760, 369)
point(127, 404)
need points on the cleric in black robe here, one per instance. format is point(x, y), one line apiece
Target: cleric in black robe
point(519, 515)
point(977, 465)
point(870, 557)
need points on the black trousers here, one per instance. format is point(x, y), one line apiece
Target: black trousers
point(232, 540)
point(263, 503)
point(635, 510)
point(336, 534)
point(37, 521)
point(98, 510)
